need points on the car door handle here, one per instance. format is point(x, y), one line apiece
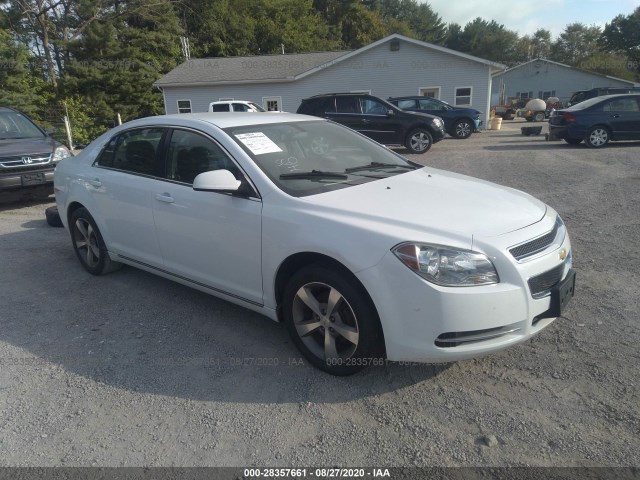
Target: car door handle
point(165, 197)
point(615, 116)
point(95, 182)
point(364, 120)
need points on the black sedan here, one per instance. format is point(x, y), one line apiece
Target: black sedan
point(458, 122)
point(598, 121)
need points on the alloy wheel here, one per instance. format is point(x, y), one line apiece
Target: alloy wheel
point(325, 322)
point(86, 242)
point(598, 137)
point(419, 142)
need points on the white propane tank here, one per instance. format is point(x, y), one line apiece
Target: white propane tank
point(536, 105)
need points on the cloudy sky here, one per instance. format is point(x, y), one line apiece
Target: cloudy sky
point(526, 16)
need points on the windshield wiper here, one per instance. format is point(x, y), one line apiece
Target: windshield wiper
point(375, 165)
point(313, 174)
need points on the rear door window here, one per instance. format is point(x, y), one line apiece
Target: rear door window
point(133, 151)
point(347, 105)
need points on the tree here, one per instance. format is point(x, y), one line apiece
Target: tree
point(576, 43)
point(622, 36)
point(484, 39)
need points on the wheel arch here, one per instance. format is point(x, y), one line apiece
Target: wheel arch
point(73, 206)
point(297, 261)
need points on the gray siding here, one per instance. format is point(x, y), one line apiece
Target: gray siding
point(385, 73)
point(542, 76)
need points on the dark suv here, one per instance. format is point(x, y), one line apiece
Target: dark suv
point(377, 119)
point(28, 155)
point(458, 122)
point(582, 95)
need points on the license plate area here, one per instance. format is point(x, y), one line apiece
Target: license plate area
point(32, 179)
point(561, 294)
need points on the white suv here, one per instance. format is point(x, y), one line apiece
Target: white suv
point(235, 106)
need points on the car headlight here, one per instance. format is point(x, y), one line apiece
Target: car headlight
point(60, 153)
point(447, 266)
point(438, 123)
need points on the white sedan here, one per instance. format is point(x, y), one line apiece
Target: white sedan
point(362, 254)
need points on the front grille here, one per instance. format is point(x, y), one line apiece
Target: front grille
point(19, 161)
point(541, 284)
point(534, 246)
point(28, 169)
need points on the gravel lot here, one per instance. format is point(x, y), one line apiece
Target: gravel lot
point(130, 369)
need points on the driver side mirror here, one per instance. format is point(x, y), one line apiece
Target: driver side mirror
point(216, 181)
point(390, 113)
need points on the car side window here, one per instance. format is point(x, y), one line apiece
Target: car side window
point(372, 107)
point(220, 107)
point(404, 104)
point(346, 105)
point(239, 107)
point(622, 105)
point(426, 104)
point(191, 154)
point(132, 151)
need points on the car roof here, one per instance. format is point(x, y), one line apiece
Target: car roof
point(414, 97)
point(230, 101)
point(226, 119)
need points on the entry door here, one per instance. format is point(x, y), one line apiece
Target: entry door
point(213, 239)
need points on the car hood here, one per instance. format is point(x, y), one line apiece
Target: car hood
point(436, 201)
point(26, 146)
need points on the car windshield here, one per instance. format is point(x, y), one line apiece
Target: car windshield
point(322, 156)
point(14, 125)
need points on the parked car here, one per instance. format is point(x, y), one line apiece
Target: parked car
point(582, 95)
point(28, 155)
point(377, 119)
point(598, 121)
point(235, 106)
point(458, 122)
point(364, 255)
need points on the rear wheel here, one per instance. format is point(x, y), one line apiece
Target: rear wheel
point(332, 321)
point(89, 245)
point(597, 137)
point(539, 117)
point(419, 140)
point(463, 129)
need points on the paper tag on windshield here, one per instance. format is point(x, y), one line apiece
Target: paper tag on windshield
point(258, 143)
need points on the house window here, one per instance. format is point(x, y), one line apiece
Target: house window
point(546, 94)
point(524, 95)
point(272, 104)
point(433, 92)
point(463, 96)
point(184, 106)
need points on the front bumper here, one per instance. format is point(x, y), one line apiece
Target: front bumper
point(423, 322)
point(26, 177)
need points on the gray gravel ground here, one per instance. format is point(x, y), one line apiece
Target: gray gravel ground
point(131, 369)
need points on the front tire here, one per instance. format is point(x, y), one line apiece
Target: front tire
point(597, 137)
point(89, 245)
point(332, 321)
point(463, 129)
point(419, 140)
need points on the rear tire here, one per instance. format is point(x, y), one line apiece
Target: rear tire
point(332, 321)
point(419, 140)
point(89, 245)
point(597, 137)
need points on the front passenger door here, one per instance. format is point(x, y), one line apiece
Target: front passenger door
point(211, 238)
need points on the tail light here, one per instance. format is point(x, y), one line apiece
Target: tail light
point(569, 118)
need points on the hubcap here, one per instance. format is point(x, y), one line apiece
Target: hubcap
point(86, 242)
point(419, 141)
point(599, 137)
point(463, 129)
point(325, 321)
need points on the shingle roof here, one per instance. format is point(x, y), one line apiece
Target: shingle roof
point(262, 68)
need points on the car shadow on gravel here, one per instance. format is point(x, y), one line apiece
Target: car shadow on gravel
point(136, 331)
point(16, 201)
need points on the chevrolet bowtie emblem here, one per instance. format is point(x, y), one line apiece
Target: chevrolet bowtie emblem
point(563, 254)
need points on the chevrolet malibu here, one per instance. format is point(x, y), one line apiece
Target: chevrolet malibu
point(362, 254)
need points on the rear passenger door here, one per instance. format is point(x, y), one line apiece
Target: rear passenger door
point(624, 117)
point(348, 112)
point(211, 238)
point(122, 179)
